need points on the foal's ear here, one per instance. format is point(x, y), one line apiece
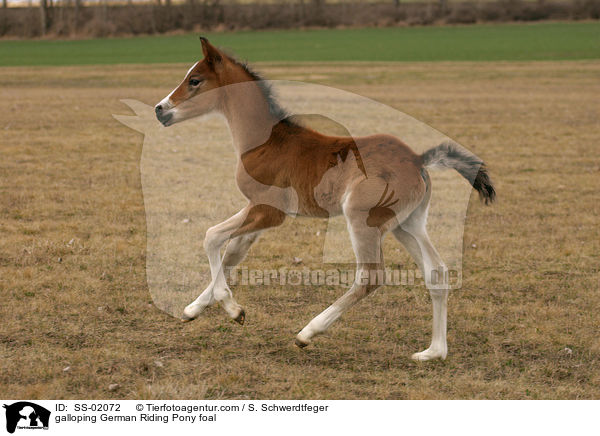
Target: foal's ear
point(211, 54)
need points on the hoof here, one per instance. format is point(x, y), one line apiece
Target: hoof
point(191, 312)
point(241, 317)
point(428, 355)
point(300, 344)
point(187, 318)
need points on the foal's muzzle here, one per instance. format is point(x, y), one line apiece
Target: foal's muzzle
point(163, 116)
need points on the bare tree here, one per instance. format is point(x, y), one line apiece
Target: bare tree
point(76, 13)
point(302, 10)
point(3, 18)
point(78, 5)
point(104, 11)
point(443, 6)
point(43, 16)
point(190, 11)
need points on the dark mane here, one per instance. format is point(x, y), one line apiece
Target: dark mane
point(274, 108)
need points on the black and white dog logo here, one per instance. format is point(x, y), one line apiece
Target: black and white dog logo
point(26, 415)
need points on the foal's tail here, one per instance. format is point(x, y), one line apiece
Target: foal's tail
point(451, 155)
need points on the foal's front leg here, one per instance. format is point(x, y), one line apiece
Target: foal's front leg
point(251, 219)
point(215, 238)
point(235, 252)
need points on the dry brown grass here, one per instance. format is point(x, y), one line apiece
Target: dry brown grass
point(530, 287)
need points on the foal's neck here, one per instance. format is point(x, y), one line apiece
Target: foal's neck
point(246, 109)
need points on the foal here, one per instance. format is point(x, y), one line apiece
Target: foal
point(284, 168)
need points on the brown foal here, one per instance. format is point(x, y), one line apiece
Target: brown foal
point(287, 169)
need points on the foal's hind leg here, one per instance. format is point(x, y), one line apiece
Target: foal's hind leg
point(411, 245)
point(413, 234)
point(245, 223)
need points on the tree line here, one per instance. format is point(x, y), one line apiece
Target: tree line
point(78, 18)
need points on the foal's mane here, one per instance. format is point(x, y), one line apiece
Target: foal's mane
point(274, 107)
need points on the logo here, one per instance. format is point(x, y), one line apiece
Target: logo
point(26, 415)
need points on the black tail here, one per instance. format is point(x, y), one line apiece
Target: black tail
point(451, 155)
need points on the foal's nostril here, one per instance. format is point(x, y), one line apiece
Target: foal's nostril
point(158, 109)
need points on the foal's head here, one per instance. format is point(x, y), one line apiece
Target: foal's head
point(199, 92)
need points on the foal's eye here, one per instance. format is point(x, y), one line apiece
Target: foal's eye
point(194, 82)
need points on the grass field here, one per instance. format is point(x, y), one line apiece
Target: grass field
point(507, 42)
point(77, 315)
